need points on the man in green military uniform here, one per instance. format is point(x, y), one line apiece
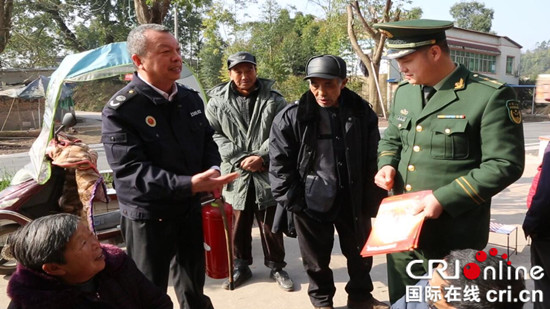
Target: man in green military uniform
point(451, 131)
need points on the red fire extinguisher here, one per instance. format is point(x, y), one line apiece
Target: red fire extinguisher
point(216, 226)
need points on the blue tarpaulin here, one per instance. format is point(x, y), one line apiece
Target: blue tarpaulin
point(103, 62)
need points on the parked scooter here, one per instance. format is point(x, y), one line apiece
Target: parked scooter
point(28, 200)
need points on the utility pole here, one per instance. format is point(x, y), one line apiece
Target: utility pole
point(176, 22)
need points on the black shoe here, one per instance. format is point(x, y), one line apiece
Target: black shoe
point(372, 303)
point(240, 276)
point(283, 279)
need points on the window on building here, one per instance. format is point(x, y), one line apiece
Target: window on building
point(509, 65)
point(475, 62)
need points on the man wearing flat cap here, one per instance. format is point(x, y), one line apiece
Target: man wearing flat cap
point(322, 164)
point(451, 131)
point(241, 112)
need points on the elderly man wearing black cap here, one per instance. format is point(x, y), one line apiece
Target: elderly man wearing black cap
point(241, 112)
point(451, 131)
point(322, 163)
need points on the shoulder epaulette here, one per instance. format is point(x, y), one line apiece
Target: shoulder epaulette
point(277, 92)
point(491, 82)
point(121, 96)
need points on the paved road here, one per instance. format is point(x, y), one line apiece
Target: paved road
point(508, 208)
point(533, 131)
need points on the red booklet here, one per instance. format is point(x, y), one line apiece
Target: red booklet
point(395, 228)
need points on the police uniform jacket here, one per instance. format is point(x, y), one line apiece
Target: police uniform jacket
point(240, 135)
point(466, 145)
point(292, 151)
point(154, 147)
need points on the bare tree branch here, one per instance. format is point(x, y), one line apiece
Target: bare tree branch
point(366, 27)
point(53, 11)
point(353, 39)
point(372, 60)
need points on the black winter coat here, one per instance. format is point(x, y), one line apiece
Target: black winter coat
point(292, 150)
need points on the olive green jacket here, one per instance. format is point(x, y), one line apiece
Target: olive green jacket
point(239, 136)
point(466, 145)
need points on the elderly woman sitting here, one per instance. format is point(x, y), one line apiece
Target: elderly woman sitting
point(61, 264)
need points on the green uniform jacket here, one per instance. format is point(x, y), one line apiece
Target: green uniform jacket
point(239, 136)
point(466, 145)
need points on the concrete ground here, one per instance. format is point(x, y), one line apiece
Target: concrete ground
point(261, 292)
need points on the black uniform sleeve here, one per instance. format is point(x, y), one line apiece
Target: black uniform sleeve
point(137, 178)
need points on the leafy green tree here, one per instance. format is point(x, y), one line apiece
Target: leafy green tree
point(211, 53)
point(536, 62)
point(472, 15)
point(44, 31)
point(282, 44)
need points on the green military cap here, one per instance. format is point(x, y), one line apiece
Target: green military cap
point(404, 37)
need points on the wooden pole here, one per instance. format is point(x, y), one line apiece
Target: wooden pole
point(8, 116)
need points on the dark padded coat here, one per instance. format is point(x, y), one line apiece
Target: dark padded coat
point(292, 149)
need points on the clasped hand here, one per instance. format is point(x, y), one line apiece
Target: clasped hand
point(253, 164)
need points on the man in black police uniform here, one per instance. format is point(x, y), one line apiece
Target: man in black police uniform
point(322, 163)
point(463, 140)
point(160, 147)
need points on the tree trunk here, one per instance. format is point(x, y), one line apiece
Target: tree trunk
point(151, 15)
point(371, 61)
point(6, 10)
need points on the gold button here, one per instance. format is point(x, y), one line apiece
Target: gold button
point(411, 168)
point(408, 187)
point(399, 125)
point(448, 131)
point(416, 148)
point(419, 128)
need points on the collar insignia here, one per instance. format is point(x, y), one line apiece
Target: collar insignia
point(459, 84)
point(151, 121)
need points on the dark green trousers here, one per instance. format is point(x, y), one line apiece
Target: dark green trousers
point(397, 269)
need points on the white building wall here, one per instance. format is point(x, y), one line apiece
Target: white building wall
point(506, 46)
point(509, 50)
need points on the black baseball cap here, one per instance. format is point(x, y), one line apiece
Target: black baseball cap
point(240, 57)
point(326, 66)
